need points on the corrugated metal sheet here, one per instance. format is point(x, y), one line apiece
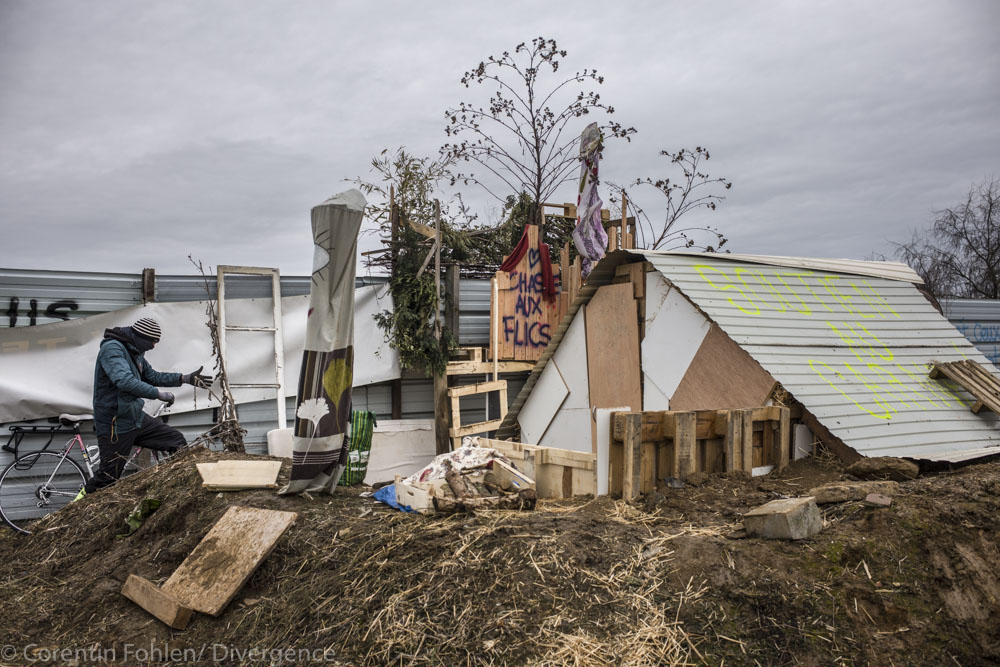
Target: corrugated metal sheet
point(888, 270)
point(73, 294)
point(979, 321)
point(853, 349)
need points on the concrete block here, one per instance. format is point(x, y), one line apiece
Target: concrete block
point(785, 519)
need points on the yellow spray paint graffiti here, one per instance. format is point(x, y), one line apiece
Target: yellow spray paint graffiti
point(876, 380)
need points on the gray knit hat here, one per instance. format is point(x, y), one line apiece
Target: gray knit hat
point(147, 328)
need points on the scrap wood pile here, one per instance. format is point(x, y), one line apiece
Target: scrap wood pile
point(467, 479)
point(580, 581)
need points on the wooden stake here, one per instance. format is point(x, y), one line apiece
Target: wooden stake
point(632, 458)
point(441, 419)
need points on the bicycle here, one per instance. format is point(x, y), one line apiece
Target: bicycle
point(39, 483)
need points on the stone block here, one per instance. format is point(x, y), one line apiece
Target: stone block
point(785, 519)
point(841, 492)
point(878, 499)
point(884, 467)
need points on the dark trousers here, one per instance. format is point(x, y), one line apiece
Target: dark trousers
point(152, 434)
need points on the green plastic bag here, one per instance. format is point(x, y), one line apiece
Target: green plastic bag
point(138, 516)
point(363, 423)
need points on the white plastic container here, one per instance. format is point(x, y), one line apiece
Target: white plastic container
point(279, 442)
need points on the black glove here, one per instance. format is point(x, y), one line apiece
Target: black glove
point(197, 379)
point(165, 396)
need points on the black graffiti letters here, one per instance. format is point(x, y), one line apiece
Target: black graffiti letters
point(55, 310)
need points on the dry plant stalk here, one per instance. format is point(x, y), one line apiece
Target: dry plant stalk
point(227, 429)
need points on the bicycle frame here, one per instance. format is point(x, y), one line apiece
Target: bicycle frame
point(88, 460)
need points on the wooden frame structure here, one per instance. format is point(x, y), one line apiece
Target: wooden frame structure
point(975, 379)
point(558, 473)
point(647, 447)
point(457, 431)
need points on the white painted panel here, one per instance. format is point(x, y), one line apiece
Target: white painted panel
point(543, 404)
point(652, 398)
point(603, 417)
point(400, 447)
point(570, 429)
point(674, 332)
point(571, 358)
point(803, 439)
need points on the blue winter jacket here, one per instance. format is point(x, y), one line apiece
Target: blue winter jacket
point(122, 378)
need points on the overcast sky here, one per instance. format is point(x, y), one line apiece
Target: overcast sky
point(133, 134)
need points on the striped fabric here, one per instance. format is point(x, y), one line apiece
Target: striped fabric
point(363, 424)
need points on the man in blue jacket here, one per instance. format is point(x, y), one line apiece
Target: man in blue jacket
point(122, 378)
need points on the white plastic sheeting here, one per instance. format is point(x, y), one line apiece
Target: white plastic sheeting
point(49, 369)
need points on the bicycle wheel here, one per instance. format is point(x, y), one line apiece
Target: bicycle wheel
point(37, 484)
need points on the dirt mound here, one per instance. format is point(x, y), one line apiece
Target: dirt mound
point(574, 582)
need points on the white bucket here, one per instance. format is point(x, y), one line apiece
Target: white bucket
point(279, 442)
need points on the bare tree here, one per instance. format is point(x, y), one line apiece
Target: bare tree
point(959, 256)
point(518, 138)
point(695, 189)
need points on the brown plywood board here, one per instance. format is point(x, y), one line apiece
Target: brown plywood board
point(218, 567)
point(721, 376)
point(233, 475)
point(613, 366)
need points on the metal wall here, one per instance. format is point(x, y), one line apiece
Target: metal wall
point(979, 321)
point(26, 295)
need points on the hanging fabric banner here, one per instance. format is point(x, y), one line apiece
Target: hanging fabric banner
point(589, 236)
point(319, 451)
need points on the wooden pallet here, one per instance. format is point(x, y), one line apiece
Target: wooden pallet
point(975, 379)
point(558, 473)
point(647, 447)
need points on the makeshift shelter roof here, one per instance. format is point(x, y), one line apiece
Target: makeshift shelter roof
point(851, 341)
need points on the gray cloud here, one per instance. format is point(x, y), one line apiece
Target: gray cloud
point(137, 133)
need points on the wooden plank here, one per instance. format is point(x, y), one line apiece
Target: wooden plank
point(423, 230)
point(734, 439)
point(767, 412)
point(218, 567)
point(647, 467)
point(746, 440)
point(785, 438)
point(478, 427)
point(486, 367)
point(233, 475)
point(631, 456)
point(685, 444)
point(156, 601)
point(768, 454)
point(478, 388)
point(442, 414)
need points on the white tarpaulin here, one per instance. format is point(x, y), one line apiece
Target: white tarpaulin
point(49, 369)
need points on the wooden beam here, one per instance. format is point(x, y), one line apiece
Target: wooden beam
point(746, 441)
point(423, 230)
point(441, 417)
point(478, 388)
point(784, 438)
point(632, 457)
point(734, 439)
point(486, 367)
point(478, 427)
point(685, 443)
point(156, 601)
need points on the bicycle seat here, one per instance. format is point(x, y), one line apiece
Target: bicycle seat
point(72, 420)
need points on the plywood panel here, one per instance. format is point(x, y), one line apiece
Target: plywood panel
point(226, 557)
point(545, 400)
point(613, 349)
point(236, 475)
point(721, 376)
